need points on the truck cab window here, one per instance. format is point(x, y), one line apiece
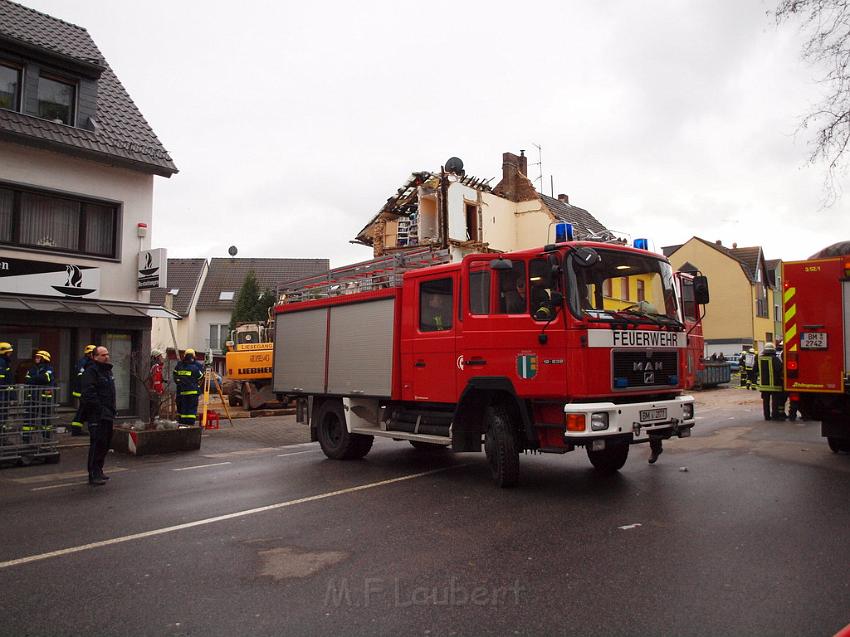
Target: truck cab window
point(541, 285)
point(512, 291)
point(479, 289)
point(435, 305)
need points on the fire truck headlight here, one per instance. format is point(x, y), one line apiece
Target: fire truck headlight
point(575, 422)
point(688, 411)
point(599, 421)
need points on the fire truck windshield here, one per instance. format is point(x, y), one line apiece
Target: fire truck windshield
point(622, 286)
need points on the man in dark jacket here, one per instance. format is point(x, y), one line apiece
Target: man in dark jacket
point(98, 411)
point(188, 374)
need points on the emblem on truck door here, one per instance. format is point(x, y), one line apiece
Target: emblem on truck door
point(460, 362)
point(526, 366)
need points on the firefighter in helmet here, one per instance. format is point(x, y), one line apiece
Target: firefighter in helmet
point(81, 366)
point(187, 376)
point(750, 369)
point(7, 381)
point(770, 383)
point(41, 379)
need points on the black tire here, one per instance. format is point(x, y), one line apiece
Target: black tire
point(233, 400)
point(837, 445)
point(333, 435)
point(52, 459)
point(500, 446)
point(427, 446)
point(610, 459)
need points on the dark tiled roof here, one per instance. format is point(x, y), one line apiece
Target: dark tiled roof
point(584, 223)
point(668, 250)
point(751, 257)
point(227, 275)
point(184, 275)
point(120, 129)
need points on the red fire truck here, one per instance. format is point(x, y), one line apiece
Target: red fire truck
point(528, 351)
point(816, 304)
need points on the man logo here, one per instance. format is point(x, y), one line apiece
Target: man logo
point(649, 378)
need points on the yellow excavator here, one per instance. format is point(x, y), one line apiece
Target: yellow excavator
point(249, 364)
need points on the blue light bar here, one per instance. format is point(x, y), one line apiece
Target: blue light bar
point(642, 244)
point(563, 232)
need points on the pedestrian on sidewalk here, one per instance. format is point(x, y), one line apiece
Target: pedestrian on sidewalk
point(98, 412)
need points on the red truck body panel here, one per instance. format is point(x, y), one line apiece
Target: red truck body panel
point(814, 328)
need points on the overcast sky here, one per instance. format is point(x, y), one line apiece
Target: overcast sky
point(293, 122)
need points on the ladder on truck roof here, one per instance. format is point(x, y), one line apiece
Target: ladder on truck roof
point(383, 272)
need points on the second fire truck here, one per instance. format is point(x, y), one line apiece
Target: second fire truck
point(576, 344)
point(816, 305)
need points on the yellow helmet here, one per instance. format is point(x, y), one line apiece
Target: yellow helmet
point(88, 349)
point(5, 348)
point(189, 352)
point(44, 354)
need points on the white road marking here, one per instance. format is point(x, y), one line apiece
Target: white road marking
point(51, 477)
point(220, 518)
point(58, 486)
point(202, 466)
point(295, 453)
point(628, 527)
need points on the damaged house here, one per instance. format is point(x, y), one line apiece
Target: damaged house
point(465, 214)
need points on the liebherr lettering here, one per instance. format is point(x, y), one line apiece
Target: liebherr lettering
point(644, 339)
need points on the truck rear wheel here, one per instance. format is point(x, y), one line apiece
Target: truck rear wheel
point(610, 459)
point(837, 445)
point(333, 435)
point(500, 446)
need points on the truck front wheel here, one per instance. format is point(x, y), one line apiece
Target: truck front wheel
point(610, 459)
point(333, 435)
point(500, 446)
point(837, 445)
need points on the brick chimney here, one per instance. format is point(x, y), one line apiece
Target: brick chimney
point(515, 184)
point(718, 243)
point(564, 198)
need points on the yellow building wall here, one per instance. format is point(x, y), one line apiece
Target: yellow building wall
point(730, 312)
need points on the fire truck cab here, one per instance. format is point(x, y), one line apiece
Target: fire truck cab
point(576, 344)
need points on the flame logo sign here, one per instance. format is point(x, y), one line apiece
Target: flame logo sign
point(75, 277)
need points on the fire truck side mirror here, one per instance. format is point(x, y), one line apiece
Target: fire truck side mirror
point(701, 295)
point(501, 264)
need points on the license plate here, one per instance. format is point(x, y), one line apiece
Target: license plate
point(813, 340)
point(647, 415)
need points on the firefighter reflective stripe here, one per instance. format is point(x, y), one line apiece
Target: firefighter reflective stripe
point(76, 394)
point(190, 416)
point(77, 424)
point(766, 373)
point(183, 372)
point(189, 393)
point(790, 314)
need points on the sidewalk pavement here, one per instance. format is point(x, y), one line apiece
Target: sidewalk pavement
point(268, 431)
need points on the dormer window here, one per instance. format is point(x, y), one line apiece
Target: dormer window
point(225, 296)
point(56, 99)
point(10, 87)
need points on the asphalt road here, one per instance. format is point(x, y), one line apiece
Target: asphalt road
point(741, 530)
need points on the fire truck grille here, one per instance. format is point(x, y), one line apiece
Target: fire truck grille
point(645, 368)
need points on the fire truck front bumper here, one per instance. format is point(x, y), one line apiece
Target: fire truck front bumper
point(593, 423)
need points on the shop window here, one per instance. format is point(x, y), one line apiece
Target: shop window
point(641, 290)
point(10, 87)
point(56, 99)
point(63, 224)
point(624, 288)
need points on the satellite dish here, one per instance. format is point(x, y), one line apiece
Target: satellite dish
point(232, 251)
point(454, 165)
